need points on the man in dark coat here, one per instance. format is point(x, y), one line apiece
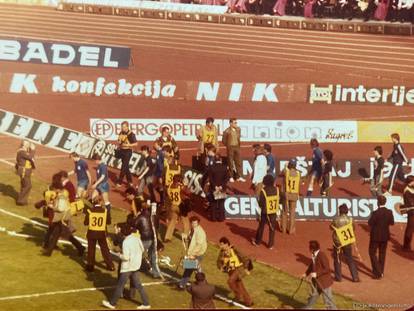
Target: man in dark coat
point(202, 293)
point(380, 222)
point(321, 279)
point(218, 177)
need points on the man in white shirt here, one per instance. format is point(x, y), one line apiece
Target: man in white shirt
point(131, 257)
point(259, 169)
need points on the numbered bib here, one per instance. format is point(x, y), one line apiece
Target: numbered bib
point(174, 194)
point(97, 221)
point(345, 234)
point(272, 202)
point(208, 136)
point(292, 182)
point(170, 173)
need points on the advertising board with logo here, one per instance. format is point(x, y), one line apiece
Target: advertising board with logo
point(313, 208)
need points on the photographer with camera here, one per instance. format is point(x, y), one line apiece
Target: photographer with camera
point(61, 225)
point(96, 219)
point(237, 266)
point(24, 167)
point(197, 247)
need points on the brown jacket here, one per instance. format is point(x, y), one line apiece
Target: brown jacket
point(323, 272)
point(226, 136)
point(202, 295)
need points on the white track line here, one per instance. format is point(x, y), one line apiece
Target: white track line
point(96, 18)
point(217, 51)
point(71, 291)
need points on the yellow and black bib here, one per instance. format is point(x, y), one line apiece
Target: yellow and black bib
point(97, 221)
point(232, 262)
point(170, 172)
point(174, 194)
point(292, 182)
point(123, 138)
point(49, 196)
point(345, 234)
point(76, 206)
point(272, 202)
point(209, 136)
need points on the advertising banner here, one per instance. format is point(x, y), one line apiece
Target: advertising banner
point(251, 130)
point(62, 53)
point(313, 208)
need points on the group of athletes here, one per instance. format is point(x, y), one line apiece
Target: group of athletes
point(162, 174)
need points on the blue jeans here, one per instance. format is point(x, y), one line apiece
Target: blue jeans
point(122, 280)
point(149, 247)
point(188, 272)
point(326, 295)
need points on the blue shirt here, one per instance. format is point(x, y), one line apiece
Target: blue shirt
point(102, 170)
point(81, 168)
point(270, 164)
point(316, 159)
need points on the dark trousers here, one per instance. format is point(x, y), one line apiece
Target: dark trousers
point(409, 230)
point(271, 221)
point(104, 251)
point(53, 234)
point(25, 186)
point(235, 283)
point(217, 210)
point(396, 172)
point(125, 158)
point(234, 161)
point(377, 262)
point(318, 9)
point(347, 253)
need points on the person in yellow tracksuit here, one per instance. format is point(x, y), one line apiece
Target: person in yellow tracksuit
point(177, 209)
point(291, 183)
point(269, 199)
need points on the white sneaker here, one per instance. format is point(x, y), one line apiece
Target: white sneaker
point(143, 307)
point(231, 179)
point(241, 179)
point(107, 304)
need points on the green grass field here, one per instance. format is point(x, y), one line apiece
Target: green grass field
point(25, 271)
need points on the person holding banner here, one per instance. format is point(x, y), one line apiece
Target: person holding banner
point(83, 176)
point(379, 222)
point(127, 140)
point(343, 239)
point(269, 204)
point(96, 219)
point(24, 167)
point(291, 185)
